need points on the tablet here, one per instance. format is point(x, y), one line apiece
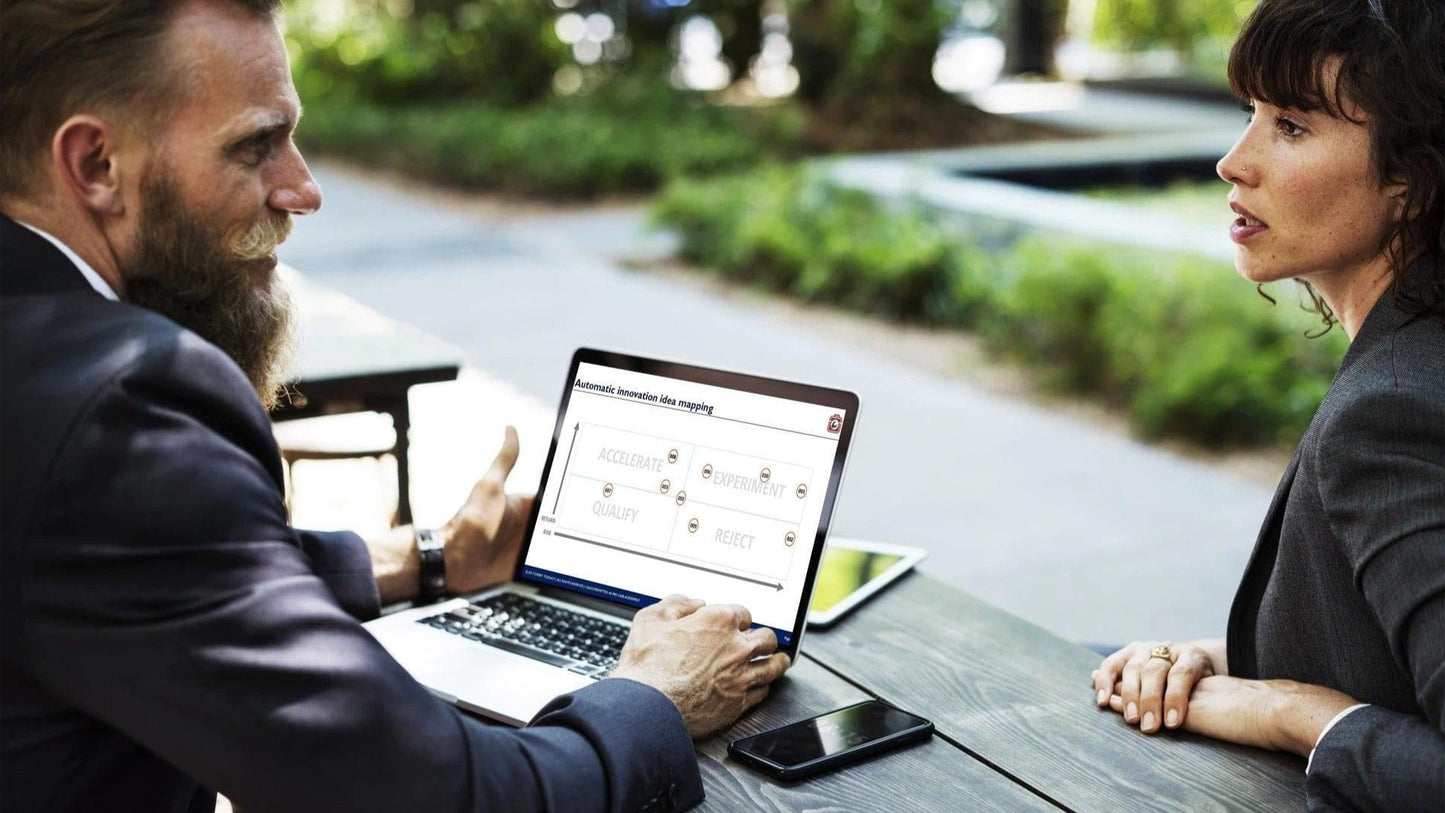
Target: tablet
point(852, 571)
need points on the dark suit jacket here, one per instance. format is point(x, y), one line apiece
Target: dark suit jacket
point(164, 630)
point(1346, 587)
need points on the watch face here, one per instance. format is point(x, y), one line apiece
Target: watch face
point(427, 540)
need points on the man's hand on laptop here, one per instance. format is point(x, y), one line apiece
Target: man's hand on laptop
point(483, 538)
point(701, 657)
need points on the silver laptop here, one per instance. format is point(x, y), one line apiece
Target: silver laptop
point(661, 478)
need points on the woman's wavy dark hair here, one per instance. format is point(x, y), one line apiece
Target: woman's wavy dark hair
point(1392, 68)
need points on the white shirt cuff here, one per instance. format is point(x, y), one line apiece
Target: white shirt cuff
point(1328, 726)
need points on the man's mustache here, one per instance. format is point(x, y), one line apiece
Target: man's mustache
point(260, 241)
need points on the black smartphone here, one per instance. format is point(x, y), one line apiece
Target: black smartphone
point(830, 740)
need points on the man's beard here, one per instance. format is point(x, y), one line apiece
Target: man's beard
point(190, 272)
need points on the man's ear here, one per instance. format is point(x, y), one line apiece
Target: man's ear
point(83, 153)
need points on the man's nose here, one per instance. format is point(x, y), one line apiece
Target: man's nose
point(296, 192)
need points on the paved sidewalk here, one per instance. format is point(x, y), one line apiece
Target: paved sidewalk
point(1128, 131)
point(1091, 535)
point(1102, 110)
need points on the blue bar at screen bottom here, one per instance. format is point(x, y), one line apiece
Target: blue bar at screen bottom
point(613, 594)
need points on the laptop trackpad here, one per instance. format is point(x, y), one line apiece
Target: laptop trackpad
point(496, 684)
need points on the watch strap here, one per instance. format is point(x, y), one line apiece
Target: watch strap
point(433, 573)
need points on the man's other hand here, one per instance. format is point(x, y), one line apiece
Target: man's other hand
point(483, 538)
point(701, 657)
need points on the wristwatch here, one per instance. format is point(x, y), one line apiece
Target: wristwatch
point(433, 566)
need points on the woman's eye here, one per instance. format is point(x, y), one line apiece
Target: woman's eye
point(1287, 127)
point(1248, 108)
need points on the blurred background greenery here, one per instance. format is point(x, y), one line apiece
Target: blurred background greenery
point(721, 109)
point(475, 92)
point(767, 78)
point(1177, 341)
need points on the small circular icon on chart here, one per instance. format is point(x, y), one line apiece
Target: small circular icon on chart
point(789, 538)
point(707, 471)
point(672, 456)
point(681, 497)
point(607, 490)
point(802, 490)
point(665, 486)
point(766, 474)
point(692, 525)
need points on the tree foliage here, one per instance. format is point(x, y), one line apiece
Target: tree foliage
point(388, 51)
point(867, 48)
point(1178, 24)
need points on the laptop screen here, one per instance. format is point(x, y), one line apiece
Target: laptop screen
point(665, 478)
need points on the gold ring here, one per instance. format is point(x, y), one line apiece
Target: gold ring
point(1162, 651)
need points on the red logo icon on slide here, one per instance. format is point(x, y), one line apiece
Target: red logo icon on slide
point(835, 424)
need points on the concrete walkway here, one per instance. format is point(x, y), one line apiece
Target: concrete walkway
point(1093, 536)
point(1127, 130)
point(1096, 109)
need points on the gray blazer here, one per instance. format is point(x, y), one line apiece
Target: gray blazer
point(1346, 586)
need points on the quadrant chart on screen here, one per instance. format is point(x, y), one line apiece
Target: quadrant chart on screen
point(738, 514)
point(663, 486)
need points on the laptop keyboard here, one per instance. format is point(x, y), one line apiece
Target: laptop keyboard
point(545, 632)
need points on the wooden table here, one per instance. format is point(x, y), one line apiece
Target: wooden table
point(932, 776)
point(1017, 726)
point(352, 359)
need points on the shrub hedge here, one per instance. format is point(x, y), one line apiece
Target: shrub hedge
point(779, 228)
point(1185, 345)
point(563, 148)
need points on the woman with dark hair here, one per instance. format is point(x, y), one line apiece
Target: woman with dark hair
point(1336, 640)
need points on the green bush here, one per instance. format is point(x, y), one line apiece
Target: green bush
point(1187, 346)
point(558, 149)
point(1181, 342)
point(790, 231)
point(1046, 307)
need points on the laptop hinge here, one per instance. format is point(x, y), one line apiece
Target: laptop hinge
point(594, 604)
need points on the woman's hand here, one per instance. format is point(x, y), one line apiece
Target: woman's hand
point(1281, 715)
point(1152, 691)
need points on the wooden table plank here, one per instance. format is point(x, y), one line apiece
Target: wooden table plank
point(930, 776)
point(1020, 697)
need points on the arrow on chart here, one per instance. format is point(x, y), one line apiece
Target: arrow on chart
point(670, 560)
point(563, 481)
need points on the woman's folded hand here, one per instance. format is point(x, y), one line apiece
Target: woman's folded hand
point(1150, 681)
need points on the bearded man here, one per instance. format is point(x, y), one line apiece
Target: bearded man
point(164, 633)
